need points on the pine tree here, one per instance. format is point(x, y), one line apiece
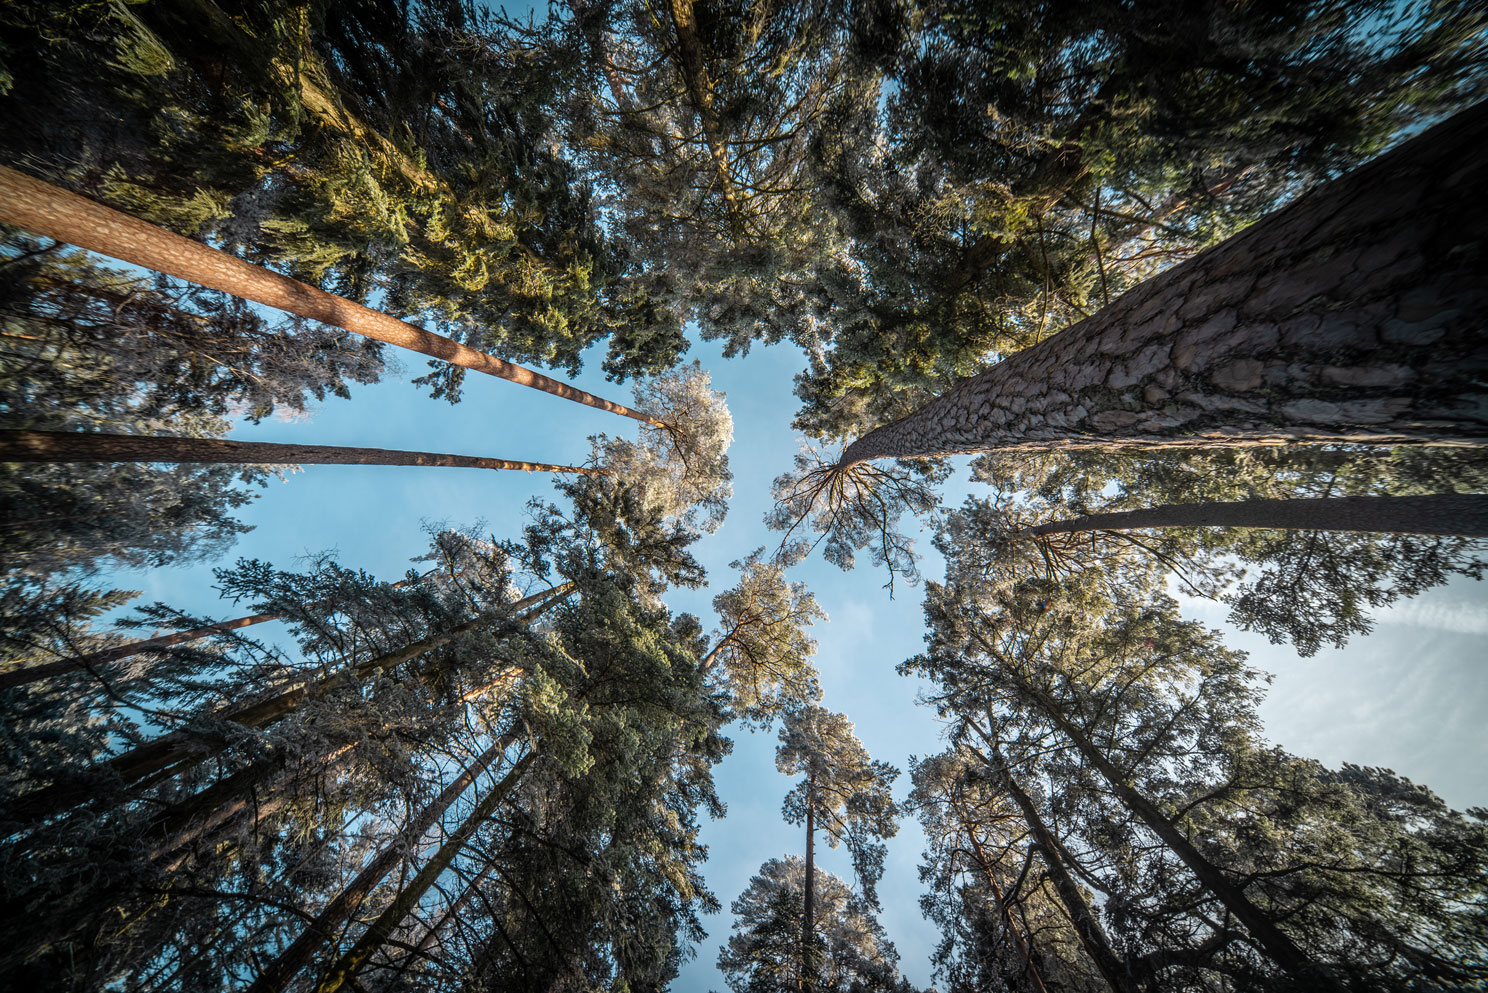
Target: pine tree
point(845, 793)
point(763, 953)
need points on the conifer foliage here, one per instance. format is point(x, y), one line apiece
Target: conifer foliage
point(1200, 284)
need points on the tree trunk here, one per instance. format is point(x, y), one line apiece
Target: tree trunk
point(1352, 316)
point(31, 674)
point(345, 904)
point(91, 446)
point(1267, 935)
point(808, 887)
point(173, 753)
point(1458, 514)
point(345, 968)
point(1020, 944)
point(1092, 936)
point(700, 90)
point(44, 209)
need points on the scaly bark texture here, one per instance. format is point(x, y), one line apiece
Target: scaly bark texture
point(80, 446)
point(44, 209)
point(1354, 315)
point(1460, 514)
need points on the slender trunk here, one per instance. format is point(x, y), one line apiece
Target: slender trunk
point(47, 210)
point(345, 904)
point(343, 971)
point(1020, 944)
point(31, 674)
point(91, 446)
point(1352, 316)
point(700, 90)
point(1270, 938)
point(808, 902)
point(1459, 514)
point(173, 753)
point(1092, 936)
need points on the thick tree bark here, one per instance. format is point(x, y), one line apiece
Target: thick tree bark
point(31, 674)
point(1352, 316)
point(1262, 928)
point(345, 968)
point(1092, 936)
point(808, 887)
point(345, 904)
point(47, 210)
point(1459, 514)
point(173, 753)
point(90, 446)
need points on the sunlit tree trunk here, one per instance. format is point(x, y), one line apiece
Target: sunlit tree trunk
point(90, 446)
point(44, 209)
point(344, 905)
point(1354, 315)
point(1460, 514)
point(343, 972)
point(700, 90)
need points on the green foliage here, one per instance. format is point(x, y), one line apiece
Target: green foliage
point(762, 956)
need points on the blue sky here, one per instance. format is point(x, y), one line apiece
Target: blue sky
point(1412, 697)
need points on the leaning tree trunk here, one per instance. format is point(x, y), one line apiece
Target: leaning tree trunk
point(345, 904)
point(1021, 945)
point(1459, 514)
point(34, 673)
point(47, 210)
point(1087, 926)
point(91, 446)
point(1354, 315)
point(173, 753)
point(344, 970)
point(1282, 950)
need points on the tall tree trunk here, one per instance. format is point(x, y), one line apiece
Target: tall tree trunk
point(700, 90)
point(345, 904)
point(92, 446)
point(1262, 928)
point(47, 210)
point(173, 753)
point(1092, 936)
point(343, 971)
point(31, 674)
point(808, 887)
point(1020, 943)
point(1459, 514)
point(1351, 316)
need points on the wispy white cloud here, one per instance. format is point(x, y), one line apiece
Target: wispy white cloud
point(1464, 618)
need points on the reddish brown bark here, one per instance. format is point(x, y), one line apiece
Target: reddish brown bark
point(47, 210)
point(80, 446)
point(1352, 316)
